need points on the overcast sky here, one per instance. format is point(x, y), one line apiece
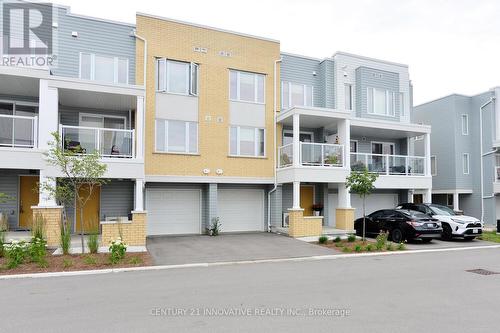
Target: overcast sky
point(450, 46)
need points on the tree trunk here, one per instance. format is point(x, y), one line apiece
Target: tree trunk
point(364, 219)
point(81, 229)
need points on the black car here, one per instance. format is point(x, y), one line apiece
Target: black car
point(401, 225)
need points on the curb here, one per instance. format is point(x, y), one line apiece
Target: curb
point(244, 262)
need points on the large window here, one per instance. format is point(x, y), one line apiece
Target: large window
point(465, 124)
point(175, 136)
point(348, 96)
point(293, 94)
point(381, 101)
point(176, 77)
point(246, 87)
point(465, 163)
point(246, 141)
point(103, 68)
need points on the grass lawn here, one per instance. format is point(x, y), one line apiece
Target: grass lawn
point(490, 236)
point(359, 246)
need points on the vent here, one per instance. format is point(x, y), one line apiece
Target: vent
point(481, 271)
point(224, 53)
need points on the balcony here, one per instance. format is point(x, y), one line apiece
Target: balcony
point(18, 131)
point(108, 142)
point(389, 164)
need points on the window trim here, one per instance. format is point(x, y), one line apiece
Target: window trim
point(390, 103)
point(304, 90)
point(256, 89)
point(466, 123)
point(166, 80)
point(115, 67)
point(383, 143)
point(351, 99)
point(186, 137)
point(435, 165)
point(256, 143)
point(466, 157)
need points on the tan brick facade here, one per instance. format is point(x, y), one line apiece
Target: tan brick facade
point(133, 232)
point(344, 218)
point(303, 226)
point(52, 226)
point(176, 41)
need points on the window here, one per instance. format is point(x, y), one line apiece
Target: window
point(433, 166)
point(402, 110)
point(465, 124)
point(449, 199)
point(294, 94)
point(354, 146)
point(348, 96)
point(381, 101)
point(103, 68)
point(176, 136)
point(465, 163)
point(246, 87)
point(246, 141)
point(176, 77)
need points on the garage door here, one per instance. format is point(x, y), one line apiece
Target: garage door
point(173, 211)
point(374, 202)
point(241, 209)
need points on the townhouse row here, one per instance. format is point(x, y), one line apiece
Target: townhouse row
point(196, 123)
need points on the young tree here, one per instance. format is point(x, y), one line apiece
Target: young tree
point(361, 183)
point(4, 198)
point(81, 175)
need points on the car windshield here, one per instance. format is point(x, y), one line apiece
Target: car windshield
point(441, 210)
point(414, 214)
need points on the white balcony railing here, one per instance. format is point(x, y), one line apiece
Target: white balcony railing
point(18, 131)
point(389, 164)
point(108, 142)
point(313, 154)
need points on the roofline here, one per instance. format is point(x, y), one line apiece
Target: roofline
point(206, 27)
point(368, 58)
point(453, 95)
point(303, 56)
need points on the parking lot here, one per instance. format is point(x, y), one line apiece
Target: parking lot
point(440, 244)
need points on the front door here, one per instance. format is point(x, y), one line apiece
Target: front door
point(28, 197)
point(307, 199)
point(418, 198)
point(91, 210)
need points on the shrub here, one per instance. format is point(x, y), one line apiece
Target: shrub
point(369, 248)
point(2, 242)
point(67, 263)
point(323, 239)
point(358, 248)
point(346, 249)
point(37, 227)
point(351, 238)
point(90, 260)
point(135, 261)
point(215, 227)
point(37, 250)
point(43, 263)
point(381, 241)
point(65, 238)
point(117, 250)
point(401, 246)
point(337, 239)
point(93, 242)
point(16, 253)
point(389, 247)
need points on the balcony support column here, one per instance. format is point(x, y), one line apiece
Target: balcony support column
point(344, 133)
point(139, 126)
point(456, 204)
point(428, 195)
point(427, 141)
point(296, 195)
point(139, 195)
point(48, 113)
point(296, 142)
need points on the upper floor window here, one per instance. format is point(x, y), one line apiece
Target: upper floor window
point(176, 77)
point(348, 96)
point(246, 87)
point(176, 136)
point(465, 163)
point(381, 101)
point(465, 124)
point(104, 68)
point(246, 141)
point(293, 94)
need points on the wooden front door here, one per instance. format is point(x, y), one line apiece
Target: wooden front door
point(28, 197)
point(418, 198)
point(91, 210)
point(307, 199)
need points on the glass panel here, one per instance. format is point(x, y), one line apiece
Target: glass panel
point(309, 96)
point(7, 109)
point(260, 142)
point(160, 80)
point(287, 138)
point(416, 165)
point(178, 77)
point(104, 68)
point(233, 141)
point(359, 161)
point(160, 135)
point(285, 95)
point(193, 137)
point(122, 70)
point(176, 136)
point(247, 141)
point(332, 155)
point(311, 154)
point(379, 101)
point(376, 163)
point(247, 87)
point(80, 140)
point(6, 127)
point(260, 88)
point(23, 132)
point(286, 155)
point(85, 66)
point(233, 85)
point(194, 79)
point(297, 95)
point(397, 165)
point(116, 143)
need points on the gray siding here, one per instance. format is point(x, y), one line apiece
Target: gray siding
point(276, 209)
point(117, 198)
point(70, 116)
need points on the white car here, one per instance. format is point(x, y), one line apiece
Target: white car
point(454, 225)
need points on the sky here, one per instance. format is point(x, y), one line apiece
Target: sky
point(450, 46)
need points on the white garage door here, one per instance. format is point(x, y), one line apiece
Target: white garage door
point(241, 209)
point(173, 211)
point(373, 202)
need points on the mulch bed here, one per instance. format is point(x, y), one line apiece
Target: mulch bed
point(340, 246)
point(77, 262)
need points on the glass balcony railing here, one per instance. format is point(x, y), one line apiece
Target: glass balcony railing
point(389, 164)
point(285, 154)
point(313, 154)
point(18, 131)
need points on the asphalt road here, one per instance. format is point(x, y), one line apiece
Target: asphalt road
point(425, 292)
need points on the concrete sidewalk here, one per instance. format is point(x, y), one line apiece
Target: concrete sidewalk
point(173, 250)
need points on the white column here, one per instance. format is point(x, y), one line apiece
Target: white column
point(344, 133)
point(139, 195)
point(45, 198)
point(48, 110)
point(296, 140)
point(296, 195)
point(427, 140)
point(456, 205)
point(139, 128)
point(428, 196)
point(410, 196)
point(344, 197)
point(497, 114)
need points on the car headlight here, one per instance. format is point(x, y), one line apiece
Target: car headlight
point(458, 221)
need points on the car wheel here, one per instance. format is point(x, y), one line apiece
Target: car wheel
point(447, 233)
point(397, 235)
point(426, 240)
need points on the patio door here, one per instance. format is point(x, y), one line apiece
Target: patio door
point(28, 197)
point(381, 148)
point(91, 210)
point(108, 139)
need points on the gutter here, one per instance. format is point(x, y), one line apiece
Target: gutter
point(491, 100)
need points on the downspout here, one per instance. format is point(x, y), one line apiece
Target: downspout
point(482, 154)
point(275, 110)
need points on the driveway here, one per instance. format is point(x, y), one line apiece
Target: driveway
point(173, 250)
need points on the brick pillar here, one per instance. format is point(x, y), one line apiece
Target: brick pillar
point(344, 218)
point(52, 227)
point(133, 232)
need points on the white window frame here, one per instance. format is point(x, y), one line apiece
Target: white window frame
point(289, 97)
point(351, 99)
point(102, 116)
point(433, 157)
point(465, 121)
point(256, 143)
point(255, 76)
point(392, 144)
point(390, 102)
point(466, 166)
point(92, 67)
point(191, 71)
point(186, 138)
